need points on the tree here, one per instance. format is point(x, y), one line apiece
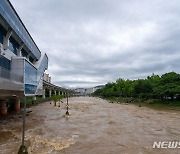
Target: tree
point(143, 88)
point(155, 86)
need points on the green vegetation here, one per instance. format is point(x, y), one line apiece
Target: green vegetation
point(151, 103)
point(30, 102)
point(154, 91)
point(57, 98)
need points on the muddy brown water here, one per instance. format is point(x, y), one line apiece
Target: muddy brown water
point(93, 127)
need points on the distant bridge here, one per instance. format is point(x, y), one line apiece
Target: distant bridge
point(50, 89)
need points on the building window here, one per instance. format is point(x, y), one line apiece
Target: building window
point(5, 63)
point(2, 34)
point(13, 45)
point(30, 78)
point(24, 53)
point(31, 59)
point(41, 68)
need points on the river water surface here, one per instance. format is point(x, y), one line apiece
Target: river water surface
point(93, 127)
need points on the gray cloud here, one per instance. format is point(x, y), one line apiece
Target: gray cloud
point(92, 42)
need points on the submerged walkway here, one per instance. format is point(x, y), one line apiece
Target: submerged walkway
point(93, 127)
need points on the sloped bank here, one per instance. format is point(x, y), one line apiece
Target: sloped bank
point(151, 103)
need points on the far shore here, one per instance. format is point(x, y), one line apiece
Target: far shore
point(167, 105)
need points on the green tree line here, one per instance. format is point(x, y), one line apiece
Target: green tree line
point(166, 86)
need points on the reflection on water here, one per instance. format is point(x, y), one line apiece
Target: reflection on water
point(94, 126)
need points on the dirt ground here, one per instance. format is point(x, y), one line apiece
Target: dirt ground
point(93, 127)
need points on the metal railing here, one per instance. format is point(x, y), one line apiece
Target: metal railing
point(4, 73)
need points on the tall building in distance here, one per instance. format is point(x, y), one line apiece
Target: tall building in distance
point(22, 64)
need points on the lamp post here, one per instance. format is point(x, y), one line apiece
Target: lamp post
point(23, 149)
point(67, 106)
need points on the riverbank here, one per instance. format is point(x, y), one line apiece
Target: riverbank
point(31, 102)
point(150, 103)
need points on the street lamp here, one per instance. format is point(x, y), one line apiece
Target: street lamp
point(67, 106)
point(23, 149)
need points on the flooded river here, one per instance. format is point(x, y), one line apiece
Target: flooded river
point(93, 127)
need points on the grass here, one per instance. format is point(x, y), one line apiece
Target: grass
point(151, 103)
point(29, 100)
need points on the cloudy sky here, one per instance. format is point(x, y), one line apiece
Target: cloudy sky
point(91, 42)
